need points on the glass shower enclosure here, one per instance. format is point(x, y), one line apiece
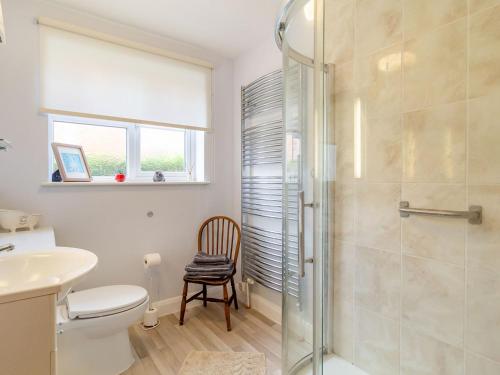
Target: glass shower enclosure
point(391, 125)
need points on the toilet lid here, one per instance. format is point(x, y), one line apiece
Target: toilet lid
point(103, 301)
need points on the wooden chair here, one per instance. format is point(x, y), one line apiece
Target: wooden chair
point(217, 235)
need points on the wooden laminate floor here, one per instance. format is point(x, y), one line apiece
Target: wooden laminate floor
point(162, 351)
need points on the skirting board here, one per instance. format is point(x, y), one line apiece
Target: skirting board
point(259, 303)
point(173, 305)
point(265, 307)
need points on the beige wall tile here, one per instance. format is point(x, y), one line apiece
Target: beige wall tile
point(478, 365)
point(435, 67)
point(377, 343)
point(434, 237)
point(484, 55)
point(343, 77)
point(378, 24)
point(477, 5)
point(343, 329)
point(378, 281)
point(343, 270)
point(484, 138)
point(344, 118)
point(345, 164)
point(383, 149)
point(344, 212)
point(378, 82)
point(377, 217)
point(421, 354)
point(483, 241)
point(434, 144)
point(425, 148)
point(344, 136)
point(339, 31)
point(483, 312)
point(433, 299)
point(423, 16)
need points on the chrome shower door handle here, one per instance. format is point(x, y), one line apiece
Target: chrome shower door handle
point(302, 268)
point(301, 243)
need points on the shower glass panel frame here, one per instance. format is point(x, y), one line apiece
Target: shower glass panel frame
point(305, 240)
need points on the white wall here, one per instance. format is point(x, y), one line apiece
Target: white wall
point(263, 59)
point(110, 221)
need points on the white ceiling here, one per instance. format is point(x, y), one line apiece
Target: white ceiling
point(228, 27)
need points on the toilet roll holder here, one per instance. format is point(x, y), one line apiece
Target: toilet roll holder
point(150, 319)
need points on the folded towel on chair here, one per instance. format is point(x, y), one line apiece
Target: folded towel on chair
point(211, 271)
point(208, 277)
point(204, 258)
point(209, 268)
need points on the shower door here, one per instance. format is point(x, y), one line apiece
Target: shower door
point(305, 198)
point(416, 275)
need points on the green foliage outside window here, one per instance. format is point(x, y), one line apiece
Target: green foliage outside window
point(174, 163)
point(107, 165)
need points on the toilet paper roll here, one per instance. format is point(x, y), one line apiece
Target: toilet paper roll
point(151, 260)
point(150, 317)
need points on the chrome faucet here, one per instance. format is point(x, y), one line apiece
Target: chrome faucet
point(7, 247)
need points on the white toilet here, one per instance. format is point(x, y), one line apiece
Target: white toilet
point(92, 324)
point(93, 329)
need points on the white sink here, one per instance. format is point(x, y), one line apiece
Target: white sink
point(56, 270)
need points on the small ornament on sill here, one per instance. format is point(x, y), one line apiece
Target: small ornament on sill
point(158, 177)
point(120, 177)
point(56, 176)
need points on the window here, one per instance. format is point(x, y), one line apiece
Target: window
point(135, 149)
point(162, 150)
point(105, 146)
point(134, 108)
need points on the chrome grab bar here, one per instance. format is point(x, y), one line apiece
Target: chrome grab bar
point(302, 254)
point(474, 215)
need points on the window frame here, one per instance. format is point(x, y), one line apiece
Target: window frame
point(133, 144)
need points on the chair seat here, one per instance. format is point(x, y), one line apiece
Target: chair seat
point(201, 280)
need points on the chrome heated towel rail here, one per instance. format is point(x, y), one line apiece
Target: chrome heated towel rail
point(262, 142)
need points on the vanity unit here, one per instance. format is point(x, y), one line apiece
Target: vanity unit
point(27, 326)
point(32, 281)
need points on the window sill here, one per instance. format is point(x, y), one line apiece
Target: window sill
point(125, 183)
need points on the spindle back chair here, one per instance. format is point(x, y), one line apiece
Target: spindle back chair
point(218, 235)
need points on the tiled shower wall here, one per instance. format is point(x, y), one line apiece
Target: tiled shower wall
point(419, 295)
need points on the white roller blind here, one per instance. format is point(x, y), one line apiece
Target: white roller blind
point(86, 76)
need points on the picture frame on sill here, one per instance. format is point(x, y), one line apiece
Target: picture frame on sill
point(71, 162)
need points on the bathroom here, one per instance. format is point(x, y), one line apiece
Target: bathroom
point(348, 146)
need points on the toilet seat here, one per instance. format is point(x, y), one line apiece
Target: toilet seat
point(104, 301)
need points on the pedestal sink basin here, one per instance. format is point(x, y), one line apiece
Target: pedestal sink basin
point(55, 270)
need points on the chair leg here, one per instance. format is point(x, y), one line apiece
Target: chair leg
point(226, 308)
point(183, 304)
point(204, 295)
point(235, 298)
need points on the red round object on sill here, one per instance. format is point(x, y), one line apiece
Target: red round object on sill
point(120, 177)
